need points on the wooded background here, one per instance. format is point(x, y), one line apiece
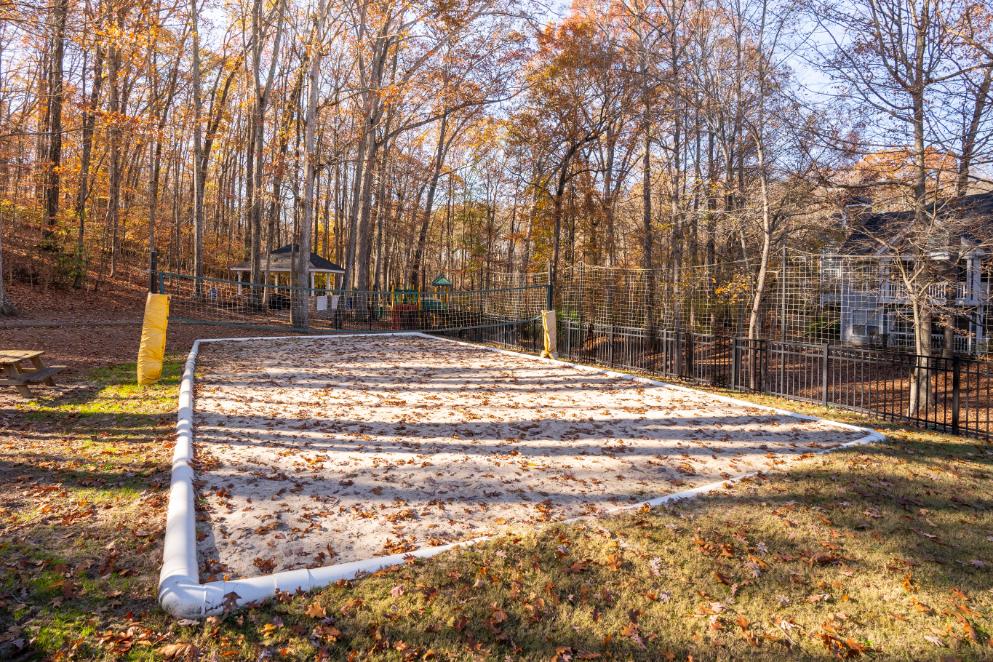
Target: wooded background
point(402, 139)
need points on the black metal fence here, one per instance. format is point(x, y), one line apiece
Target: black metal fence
point(954, 394)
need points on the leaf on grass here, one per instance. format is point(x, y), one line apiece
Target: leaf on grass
point(967, 629)
point(326, 632)
point(578, 566)
point(316, 610)
point(842, 647)
point(497, 616)
point(824, 559)
point(179, 651)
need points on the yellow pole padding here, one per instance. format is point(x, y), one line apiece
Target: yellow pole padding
point(153, 338)
point(548, 325)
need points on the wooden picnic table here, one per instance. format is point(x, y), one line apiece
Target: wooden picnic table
point(14, 371)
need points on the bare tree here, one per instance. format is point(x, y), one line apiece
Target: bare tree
point(59, 10)
point(301, 307)
point(896, 60)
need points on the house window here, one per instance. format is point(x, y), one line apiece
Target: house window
point(865, 322)
point(901, 324)
point(865, 277)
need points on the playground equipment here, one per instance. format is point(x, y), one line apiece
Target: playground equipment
point(407, 308)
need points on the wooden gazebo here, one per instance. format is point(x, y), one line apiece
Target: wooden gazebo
point(281, 261)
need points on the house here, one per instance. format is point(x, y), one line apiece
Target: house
point(861, 278)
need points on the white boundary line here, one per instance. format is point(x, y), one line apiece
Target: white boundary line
point(180, 591)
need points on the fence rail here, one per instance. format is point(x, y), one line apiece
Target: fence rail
point(956, 394)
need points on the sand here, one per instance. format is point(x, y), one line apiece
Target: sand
point(319, 451)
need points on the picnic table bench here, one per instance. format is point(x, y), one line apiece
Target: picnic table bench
point(14, 372)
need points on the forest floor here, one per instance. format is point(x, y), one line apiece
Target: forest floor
point(85, 329)
point(882, 550)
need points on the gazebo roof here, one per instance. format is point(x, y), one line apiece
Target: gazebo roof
point(441, 281)
point(281, 261)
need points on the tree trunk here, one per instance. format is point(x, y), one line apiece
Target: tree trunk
point(363, 263)
point(422, 235)
point(6, 305)
point(971, 133)
point(301, 307)
point(82, 195)
point(354, 209)
point(199, 177)
point(55, 96)
point(114, 138)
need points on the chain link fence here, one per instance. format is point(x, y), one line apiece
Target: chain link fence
point(852, 300)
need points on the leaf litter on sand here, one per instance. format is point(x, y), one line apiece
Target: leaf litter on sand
point(401, 443)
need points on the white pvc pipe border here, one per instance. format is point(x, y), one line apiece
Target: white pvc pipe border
point(180, 591)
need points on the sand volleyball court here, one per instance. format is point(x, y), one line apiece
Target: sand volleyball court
point(317, 451)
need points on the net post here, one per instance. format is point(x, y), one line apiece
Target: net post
point(550, 342)
point(550, 290)
point(153, 272)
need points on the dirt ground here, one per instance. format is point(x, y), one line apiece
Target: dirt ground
point(319, 451)
point(83, 329)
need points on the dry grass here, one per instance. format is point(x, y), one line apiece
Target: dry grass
point(883, 551)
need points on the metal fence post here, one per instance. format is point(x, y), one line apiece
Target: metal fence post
point(735, 362)
point(956, 391)
point(610, 345)
point(153, 272)
point(825, 372)
point(690, 354)
point(764, 349)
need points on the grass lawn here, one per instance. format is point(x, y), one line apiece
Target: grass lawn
point(882, 551)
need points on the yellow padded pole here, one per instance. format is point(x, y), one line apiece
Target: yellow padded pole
point(548, 325)
point(153, 338)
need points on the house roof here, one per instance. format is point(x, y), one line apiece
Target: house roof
point(972, 215)
point(281, 260)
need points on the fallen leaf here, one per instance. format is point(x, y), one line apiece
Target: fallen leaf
point(316, 610)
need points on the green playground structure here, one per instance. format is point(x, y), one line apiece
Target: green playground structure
point(403, 305)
